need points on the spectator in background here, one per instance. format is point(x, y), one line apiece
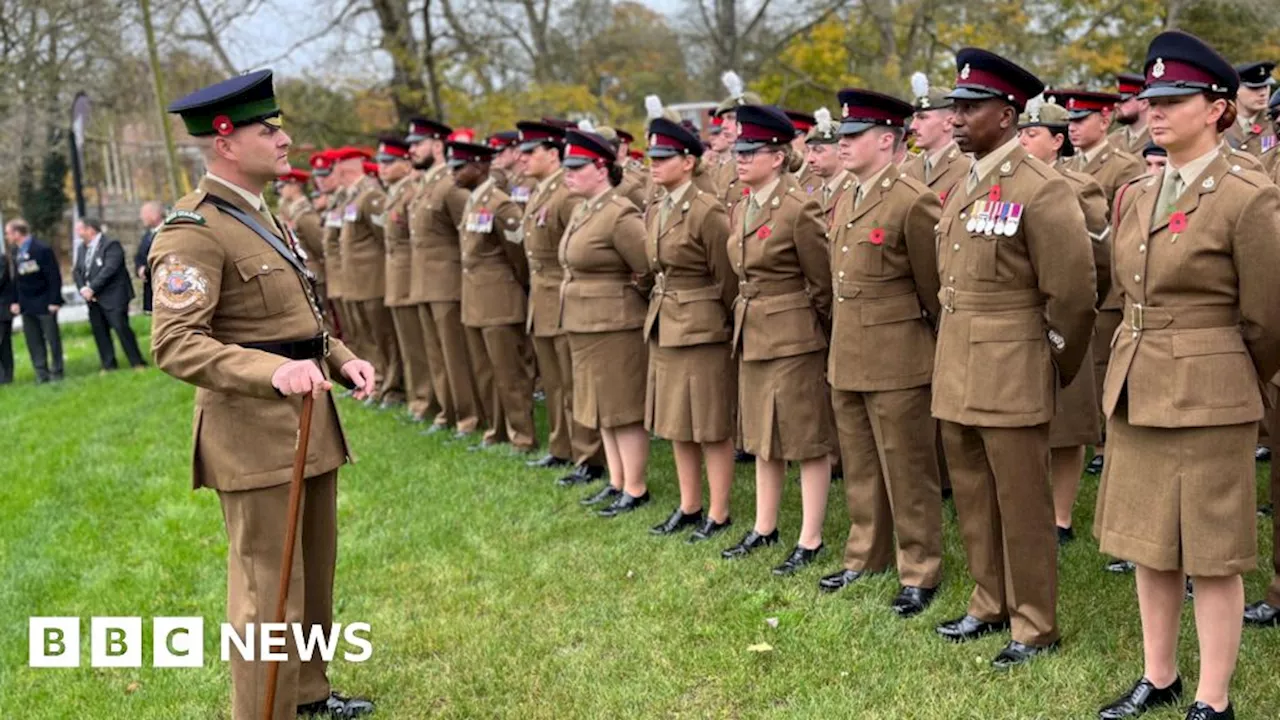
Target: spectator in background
point(7, 298)
point(38, 298)
point(103, 280)
point(152, 216)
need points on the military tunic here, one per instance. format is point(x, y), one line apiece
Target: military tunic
point(885, 275)
point(364, 269)
point(333, 263)
point(1016, 321)
point(416, 368)
point(1132, 143)
point(950, 170)
point(1251, 137)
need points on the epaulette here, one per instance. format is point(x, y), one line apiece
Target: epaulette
point(1256, 178)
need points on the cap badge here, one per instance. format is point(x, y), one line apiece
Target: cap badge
point(844, 109)
point(964, 72)
point(653, 139)
point(1157, 70)
point(924, 102)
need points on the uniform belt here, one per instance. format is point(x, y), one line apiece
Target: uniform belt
point(1139, 317)
point(316, 348)
point(582, 276)
point(755, 288)
point(664, 282)
point(953, 300)
point(877, 290)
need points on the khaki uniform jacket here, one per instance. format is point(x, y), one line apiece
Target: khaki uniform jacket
point(695, 285)
point(1245, 160)
point(307, 225)
point(335, 287)
point(602, 255)
point(1250, 140)
point(1202, 312)
point(395, 229)
point(635, 187)
point(1268, 160)
point(783, 308)
point(1013, 306)
point(434, 216)
point(830, 204)
point(546, 216)
point(1097, 220)
point(364, 261)
point(494, 270)
point(217, 284)
point(1119, 138)
point(952, 170)
point(884, 262)
point(1111, 167)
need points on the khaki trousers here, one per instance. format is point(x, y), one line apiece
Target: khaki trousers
point(443, 321)
point(255, 522)
point(384, 353)
point(420, 394)
point(505, 380)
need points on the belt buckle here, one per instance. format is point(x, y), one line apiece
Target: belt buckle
point(949, 303)
point(1136, 317)
point(324, 344)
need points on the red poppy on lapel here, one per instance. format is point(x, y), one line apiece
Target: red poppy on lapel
point(943, 196)
point(1177, 222)
point(1256, 129)
point(764, 232)
point(994, 193)
point(877, 236)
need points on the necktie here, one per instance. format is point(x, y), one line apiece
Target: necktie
point(971, 183)
point(928, 169)
point(1170, 191)
point(664, 214)
point(857, 199)
point(827, 191)
point(753, 211)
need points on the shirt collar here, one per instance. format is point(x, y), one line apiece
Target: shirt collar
point(835, 181)
point(545, 182)
point(987, 165)
point(1191, 170)
point(1135, 131)
point(1089, 155)
point(871, 181)
point(763, 195)
point(675, 196)
point(936, 157)
point(255, 200)
point(94, 241)
point(1246, 123)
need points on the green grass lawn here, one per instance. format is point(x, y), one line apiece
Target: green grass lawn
point(492, 594)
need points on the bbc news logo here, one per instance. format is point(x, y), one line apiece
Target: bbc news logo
point(178, 642)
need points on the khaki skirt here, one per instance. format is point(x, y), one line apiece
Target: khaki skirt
point(610, 371)
point(784, 409)
point(1077, 419)
point(692, 392)
point(1179, 498)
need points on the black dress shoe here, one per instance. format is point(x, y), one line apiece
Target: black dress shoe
point(968, 628)
point(461, 436)
point(742, 457)
point(912, 601)
point(1262, 614)
point(709, 529)
point(679, 520)
point(1065, 535)
point(623, 504)
point(1265, 510)
point(839, 579)
point(1201, 711)
point(549, 461)
point(582, 475)
point(1015, 654)
point(435, 429)
point(608, 492)
point(1121, 567)
point(1142, 697)
point(800, 558)
point(483, 446)
point(1262, 453)
point(749, 543)
point(337, 706)
point(1095, 465)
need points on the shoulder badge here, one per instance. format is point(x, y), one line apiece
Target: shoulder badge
point(180, 285)
point(178, 217)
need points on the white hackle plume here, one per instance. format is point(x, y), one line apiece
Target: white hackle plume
point(919, 84)
point(585, 125)
point(1033, 107)
point(733, 83)
point(653, 106)
point(822, 118)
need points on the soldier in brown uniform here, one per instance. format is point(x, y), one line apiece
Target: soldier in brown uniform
point(402, 186)
point(1269, 153)
point(506, 166)
point(331, 222)
point(1131, 115)
point(692, 378)
point(602, 308)
point(302, 218)
point(1042, 131)
point(940, 164)
point(435, 281)
point(547, 214)
point(364, 266)
point(832, 180)
point(635, 184)
point(494, 276)
point(236, 316)
point(782, 316)
point(1017, 298)
point(1196, 261)
point(1251, 133)
point(804, 122)
point(885, 272)
point(726, 178)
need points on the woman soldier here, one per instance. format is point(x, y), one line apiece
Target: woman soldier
point(691, 389)
point(603, 311)
point(1042, 131)
point(1196, 261)
point(782, 318)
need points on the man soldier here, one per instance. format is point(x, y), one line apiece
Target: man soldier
point(726, 178)
point(635, 183)
point(804, 122)
point(506, 160)
point(402, 185)
point(334, 200)
point(1017, 315)
point(494, 276)
point(829, 177)
point(1251, 128)
point(236, 316)
point(546, 216)
point(713, 157)
point(364, 265)
point(302, 218)
point(940, 164)
point(885, 275)
point(1156, 158)
point(1131, 115)
point(435, 280)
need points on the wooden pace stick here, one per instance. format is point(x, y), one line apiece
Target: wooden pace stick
point(290, 536)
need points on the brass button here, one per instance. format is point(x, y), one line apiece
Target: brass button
point(951, 278)
point(963, 216)
point(956, 246)
point(839, 299)
point(841, 273)
point(1142, 248)
point(1137, 278)
point(264, 267)
point(844, 248)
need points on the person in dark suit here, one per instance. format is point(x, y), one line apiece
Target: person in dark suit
point(39, 298)
point(152, 216)
point(103, 280)
point(7, 297)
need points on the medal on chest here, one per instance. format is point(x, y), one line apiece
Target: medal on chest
point(481, 221)
point(520, 194)
point(351, 214)
point(541, 219)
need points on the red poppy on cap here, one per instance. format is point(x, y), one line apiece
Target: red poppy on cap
point(223, 125)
